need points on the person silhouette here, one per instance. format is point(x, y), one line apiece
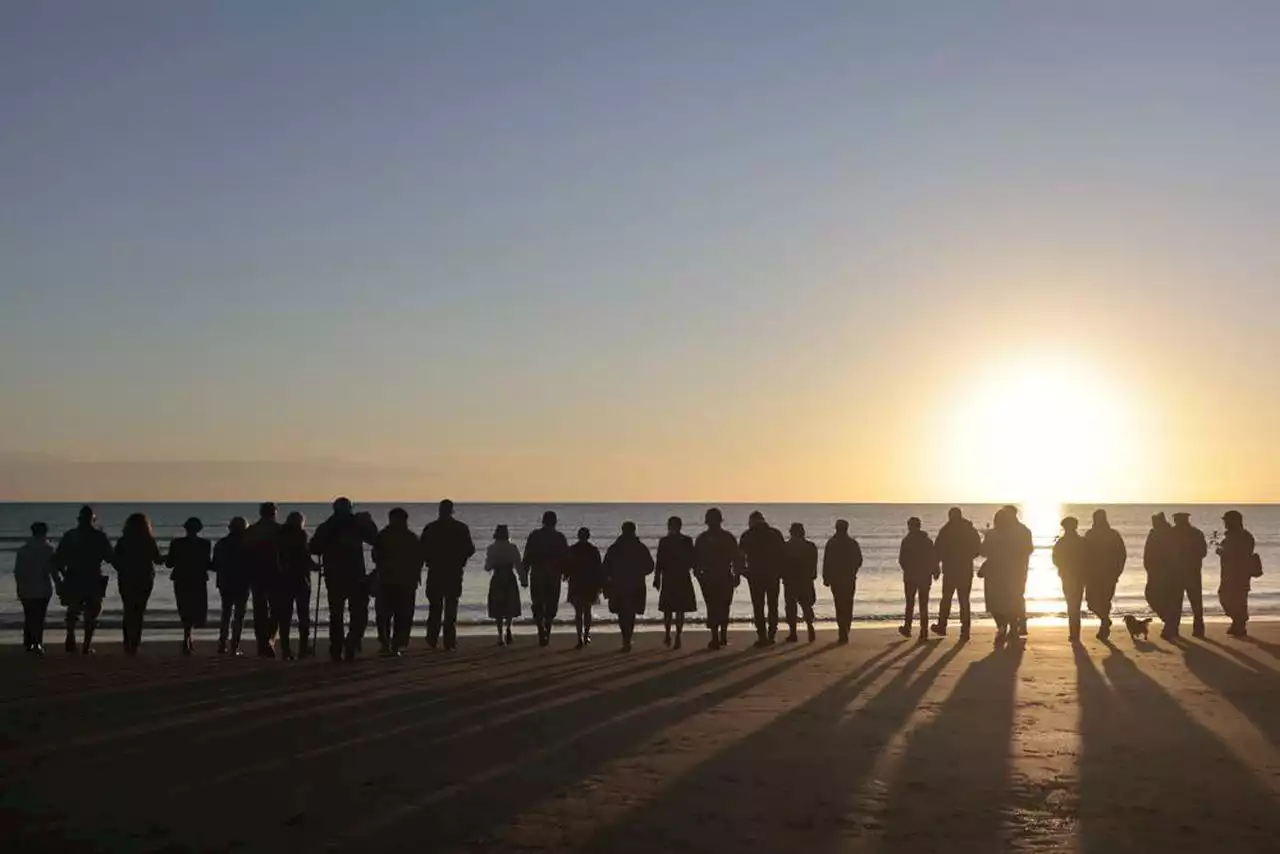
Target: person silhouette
point(958, 545)
point(1160, 563)
point(627, 563)
point(34, 576)
point(293, 586)
point(263, 543)
point(546, 554)
point(502, 560)
point(79, 557)
point(673, 579)
point(1107, 557)
point(231, 569)
point(799, 574)
point(135, 559)
point(190, 558)
point(919, 562)
point(1007, 547)
point(446, 548)
point(764, 557)
point(1240, 564)
point(841, 560)
point(1190, 550)
point(340, 542)
point(398, 560)
point(717, 562)
point(586, 576)
point(1071, 557)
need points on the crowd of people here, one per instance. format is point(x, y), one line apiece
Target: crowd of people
point(272, 563)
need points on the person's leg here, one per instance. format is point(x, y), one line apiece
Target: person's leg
point(382, 614)
point(238, 606)
point(666, 626)
point(451, 622)
point(757, 589)
point(282, 612)
point(302, 604)
point(908, 615)
point(224, 621)
point(1022, 602)
point(771, 593)
point(679, 628)
point(141, 618)
point(262, 623)
point(28, 624)
point(809, 620)
point(578, 622)
point(92, 611)
point(41, 614)
point(408, 601)
point(922, 592)
point(964, 592)
point(1073, 593)
point(1195, 598)
point(627, 623)
point(435, 616)
point(73, 617)
point(944, 606)
point(337, 620)
point(358, 604)
point(790, 606)
point(844, 611)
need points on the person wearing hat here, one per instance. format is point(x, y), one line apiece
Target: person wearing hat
point(231, 569)
point(446, 548)
point(586, 578)
point(1190, 549)
point(340, 541)
point(1107, 557)
point(1071, 557)
point(546, 557)
point(841, 561)
point(1159, 561)
point(958, 544)
point(1007, 547)
point(674, 580)
point(764, 554)
point(717, 563)
point(1240, 565)
point(800, 572)
point(398, 558)
point(501, 560)
point(627, 563)
point(919, 562)
point(79, 558)
point(190, 558)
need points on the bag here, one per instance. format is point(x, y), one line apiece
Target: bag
point(1255, 565)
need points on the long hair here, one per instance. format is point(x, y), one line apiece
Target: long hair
point(137, 526)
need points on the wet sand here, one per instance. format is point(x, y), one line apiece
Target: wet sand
point(881, 745)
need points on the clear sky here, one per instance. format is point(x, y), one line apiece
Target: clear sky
point(640, 250)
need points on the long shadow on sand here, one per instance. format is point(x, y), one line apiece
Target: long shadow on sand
point(789, 785)
point(1245, 684)
point(1152, 778)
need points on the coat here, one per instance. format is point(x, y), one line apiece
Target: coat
point(231, 566)
point(1071, 557)
point(674, 567)
point(446, 548)
point(958, 544)
point(546, 555)
point(918, 558)
point(33, 570)
point(135, 560)
point(763, 552)
point(627, 564)
point(79, 557)
point(397, 554)
point(586, 574)
point(340, 542)
point(841, 560)
point(190, 558)
point(801, 571)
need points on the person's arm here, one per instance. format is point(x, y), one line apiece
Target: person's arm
point(904, 556)
point(168, 560)
point(469, 547)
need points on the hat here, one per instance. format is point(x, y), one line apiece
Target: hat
point(1232, 515)
point(1183, 515)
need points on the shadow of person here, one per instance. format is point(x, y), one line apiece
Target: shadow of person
point(1271, 649)
point(953, 786)
point(791, 784)
point(1251, 688)
point(1153, 779)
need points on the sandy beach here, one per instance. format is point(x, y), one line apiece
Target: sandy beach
point(881, 745)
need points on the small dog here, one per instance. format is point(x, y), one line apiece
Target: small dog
point(1137, 628)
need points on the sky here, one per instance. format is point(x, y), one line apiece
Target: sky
point(736, 250)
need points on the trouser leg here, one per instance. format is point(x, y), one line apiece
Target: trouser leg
point(383, 611)
point(758, 595)
point(263, 624)
point(909, 594)
point(922, 593)
point(358, 604)
point(450, 621)
point(1073, 593)
point(435, 616)
point(944, 606)
point(405, 603)
point(791, 604)
point(964, 592)
point(844, 610)
point(337, 619)
point(282, 616)
point(1195, 598)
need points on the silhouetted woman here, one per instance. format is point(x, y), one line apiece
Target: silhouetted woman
point(1007, 548)
point(673, 578)
point(293, 591)
point(585, 577)
point(503, 560)
point(231, 566)
point(717, 565)
point(626, 566)
point(191, 558)
point(136, 557)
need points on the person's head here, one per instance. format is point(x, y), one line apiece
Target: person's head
point(714, 518)
point(193, 526)
point(342, 506)
point(398, 517)
point(86, 518)
point(137, 525)
point(1100, 518)
point(237, 525)
point(628, 529)
point(842, 527)
point(295, 520)
point(446, 509)
point(1181, 520)
point(1071, 524)
point(584, 535)
point(267, 510)
point(913, 524)
point(1159, 521)
point(954, 514)
point(1233, 520)
point(674, 524)
point(797, 530)
point(1002, 518)
point(39, 530)
point(501, 533)
point(756, 519)
point(550, 519)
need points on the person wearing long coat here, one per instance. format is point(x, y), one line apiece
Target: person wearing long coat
point(1007, 547)
point(502, 561)
point(1163, 584)
point(1107, 557)
point(585, 573)
point(1240, 565)
point(1071, 557)
point(717, 563)
point(191, 558)
point(673, 578)
point(841, 561)
point(1190, 550)
point(627, 565)
point(799, 574)
point(79, 558)
point(136, 556)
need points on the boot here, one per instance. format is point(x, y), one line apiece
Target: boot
point(813, 634)
point(939, 629)
point(71, 646)
point(791, 637)
point(509, 637)
point(904, 630)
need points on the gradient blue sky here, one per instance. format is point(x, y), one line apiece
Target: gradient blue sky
point(646, 250)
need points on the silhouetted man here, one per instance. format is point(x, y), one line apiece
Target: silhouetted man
point(764, 556)
point(716, 565)
point(627, 563)
point(957, 546)
point(1240, 565)
point(919, 564)
point(1071, 557)
point(1190, 549)
point(79, 558)
point(263, 542)
point(398, 558)
point(586, 579)
point(293, 593)
point(798, 578)
point(841, 560)
point(340, 542)
point(446, 548)
point(1160, 562)
point(1107, 556)
point(232, 569)
point(546, 555)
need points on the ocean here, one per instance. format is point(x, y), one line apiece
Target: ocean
point(878, 527)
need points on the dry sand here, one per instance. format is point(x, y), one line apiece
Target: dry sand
point(882, 745)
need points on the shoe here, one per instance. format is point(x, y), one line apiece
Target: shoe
point(813, 635)
point(586, 639)
point(676, 645)
point(724, 638)
point(186, 649)
point(1198, 632)
point(70, 646)
point(666, 641)
point(450, 646)
point(88, 650)
point(433, 642)
point(938, 629)
point(335, 655)
point(842, 639)
point(761, 643)
point(38, 651)
point(349, 655)
point(1022, 630)
point(905, 631)
point(508, 637)
point(1104, 633)
point(714, 644)
point(501, 642)
point(222, 647)
point(791, 638)
point(626, 646)
point(544, 640)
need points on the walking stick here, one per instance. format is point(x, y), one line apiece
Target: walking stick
point(315, 614)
